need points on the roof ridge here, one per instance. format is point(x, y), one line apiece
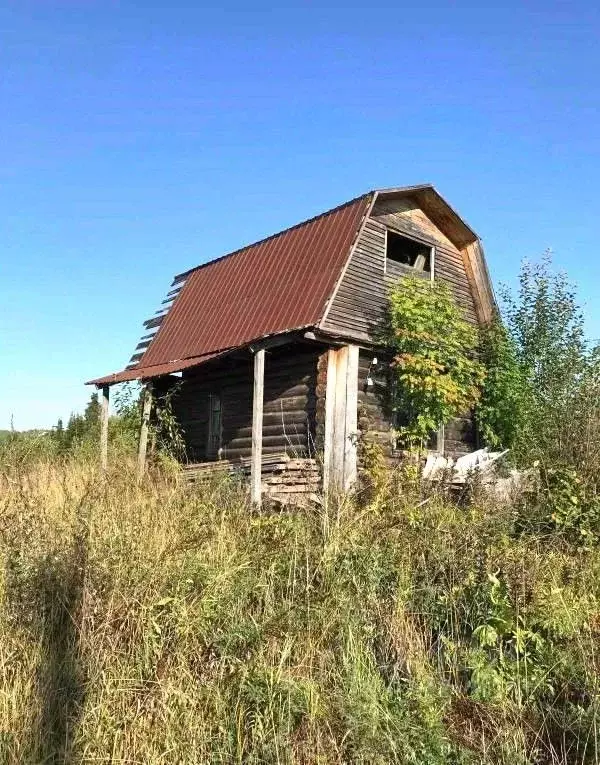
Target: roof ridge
point(352, 201)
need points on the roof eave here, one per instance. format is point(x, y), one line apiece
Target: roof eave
point(436, 206)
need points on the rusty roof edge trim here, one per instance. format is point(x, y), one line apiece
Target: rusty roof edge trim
point(359, 230)
point(272, 236)
point(184, 283)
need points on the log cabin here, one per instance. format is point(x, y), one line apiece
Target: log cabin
point(271, 353)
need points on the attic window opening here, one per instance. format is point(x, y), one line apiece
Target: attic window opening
point(408, 252)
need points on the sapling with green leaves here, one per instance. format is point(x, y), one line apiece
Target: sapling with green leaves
point(436, 371)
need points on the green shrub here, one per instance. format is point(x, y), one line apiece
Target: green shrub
point(435, 371)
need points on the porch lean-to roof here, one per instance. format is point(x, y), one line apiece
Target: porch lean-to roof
point(277, 285)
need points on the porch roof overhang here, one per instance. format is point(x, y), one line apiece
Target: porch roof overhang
point(148, 372)
point(156, 370)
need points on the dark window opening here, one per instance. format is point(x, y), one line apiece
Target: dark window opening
point(401, 249)
point(214, 425)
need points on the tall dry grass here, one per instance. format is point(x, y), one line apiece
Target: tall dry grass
point(160, 623)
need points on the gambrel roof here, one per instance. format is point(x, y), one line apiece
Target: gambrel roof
point(277, 285)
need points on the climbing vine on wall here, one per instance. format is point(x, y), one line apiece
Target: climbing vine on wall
point(436, 372)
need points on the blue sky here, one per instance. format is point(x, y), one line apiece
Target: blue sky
point(140, 139)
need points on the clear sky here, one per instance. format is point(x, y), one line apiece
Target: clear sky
point(138, 139)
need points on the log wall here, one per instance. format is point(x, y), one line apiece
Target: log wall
point(289, 404)
point(375, 415)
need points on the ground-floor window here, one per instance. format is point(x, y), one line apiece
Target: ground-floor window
point(215, 422)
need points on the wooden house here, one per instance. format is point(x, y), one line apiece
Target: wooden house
point(272, 347)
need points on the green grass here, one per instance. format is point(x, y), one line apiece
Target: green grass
point(165, 624)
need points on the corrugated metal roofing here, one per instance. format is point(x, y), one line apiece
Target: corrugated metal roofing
point(278, 284)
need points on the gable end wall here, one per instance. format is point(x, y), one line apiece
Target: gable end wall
point(359, 302)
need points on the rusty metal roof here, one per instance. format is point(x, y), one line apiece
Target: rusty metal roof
point(277, 285)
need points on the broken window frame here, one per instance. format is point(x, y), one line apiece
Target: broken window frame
point(406, 266)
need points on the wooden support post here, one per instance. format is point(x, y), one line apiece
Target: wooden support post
point(143, 444)
point(341, 419)
point(350, 473)
point(329, 421)
point(257, 427)
point(104, 400)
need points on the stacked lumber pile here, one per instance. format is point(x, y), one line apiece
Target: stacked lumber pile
point(293, 477)
point(284, 478)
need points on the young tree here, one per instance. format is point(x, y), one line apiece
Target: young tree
point(436, 371)
point(541, 390)
point(91, 414)
point(500, 412)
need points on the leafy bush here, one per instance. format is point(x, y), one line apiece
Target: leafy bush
point(562, 503)
point(505, 393)
point(437, 374)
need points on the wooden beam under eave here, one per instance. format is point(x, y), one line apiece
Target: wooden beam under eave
point(257, 426)
point(144, 426)
point(104, 402)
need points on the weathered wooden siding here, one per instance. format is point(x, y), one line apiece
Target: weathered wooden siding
point(289, 404)
point(358, 305)
point(375, 416)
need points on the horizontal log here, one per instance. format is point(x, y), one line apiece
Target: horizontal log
point(278, 440)
point(297, 430)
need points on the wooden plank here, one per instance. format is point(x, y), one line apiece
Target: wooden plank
point(143, 441)
point(339, 419)
point(154, 322)
point(257, 424)
point(351, 421)
point(475, 266)
point(104, 401)
point(330, 388)
point(299, 489)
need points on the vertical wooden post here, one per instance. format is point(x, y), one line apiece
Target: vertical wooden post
point(341, 419)
point(257, 427)
point(143, 443)
point(351, 419)
point(329, 421)
point(104, 400)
